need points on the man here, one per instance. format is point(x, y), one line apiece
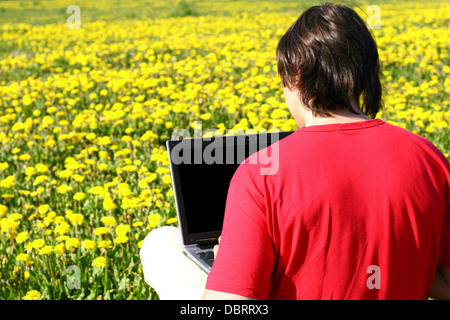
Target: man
point(359, 209)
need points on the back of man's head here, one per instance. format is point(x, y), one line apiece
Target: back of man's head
point(330, 56)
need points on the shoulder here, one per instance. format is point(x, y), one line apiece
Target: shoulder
point(267, 161)
point(417, 144)
point(421, 152)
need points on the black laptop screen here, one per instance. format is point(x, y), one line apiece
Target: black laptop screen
point(205, 188)
point(202, 170)
point(204, 182)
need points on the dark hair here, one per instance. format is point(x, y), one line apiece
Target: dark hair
point(330, 56)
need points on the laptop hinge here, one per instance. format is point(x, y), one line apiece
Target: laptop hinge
point(207, 243)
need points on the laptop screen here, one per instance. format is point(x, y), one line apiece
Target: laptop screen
point(204, 190)
point(202, 169)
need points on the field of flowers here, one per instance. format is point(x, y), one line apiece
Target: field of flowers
point(85, 113)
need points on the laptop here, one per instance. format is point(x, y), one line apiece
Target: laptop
point(201, 170)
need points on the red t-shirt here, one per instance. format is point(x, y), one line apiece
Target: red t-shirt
point(355, 211)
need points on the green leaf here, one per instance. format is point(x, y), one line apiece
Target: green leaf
point(122, 284)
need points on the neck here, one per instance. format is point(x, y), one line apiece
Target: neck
point(337, 117)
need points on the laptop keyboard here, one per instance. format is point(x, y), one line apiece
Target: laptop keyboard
point(207, 256)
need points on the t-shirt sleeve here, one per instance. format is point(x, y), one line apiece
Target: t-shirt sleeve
point(245, 259)
point(444, 248)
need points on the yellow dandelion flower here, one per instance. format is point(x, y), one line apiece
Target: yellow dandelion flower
point(43, 208)
point(154, 219)
point(103, 141)
point(102, 166)
point(46, 250)
point(171, 220)
point(72, 243)
point(90, 136)
point(59, 249)
point(22, 257)
point(21, 237)
point(169, 124)
point(62, 228)
point(32, 295)
point(14, 216)
point(151, 177)
point(108, 221)
point(205, 116)
point(99, 262)
point(8, 182)
point(104, 244)
point(126, 138)
point(29, 171)
point(96, 190)
point(62, 189)
point(65, 173)
point(78, 178)
point(143, 184)
point(108, 203)
point(79, 196)
point(88, 244)
point(28, 246)
point(40, 179)
point(38, 243)
point(40, 167)
point(40, 190)
point(167, 179)
point(101, 230)
point(122, 229)
point(140, 98)
point(123, 186)
point(75, 218)
point(62, 238)
point(89, 162)
point(121, 239)
point(25, 157)
point(103, 155)
point(129, 168)
point(3, 209)
point(124, 192)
